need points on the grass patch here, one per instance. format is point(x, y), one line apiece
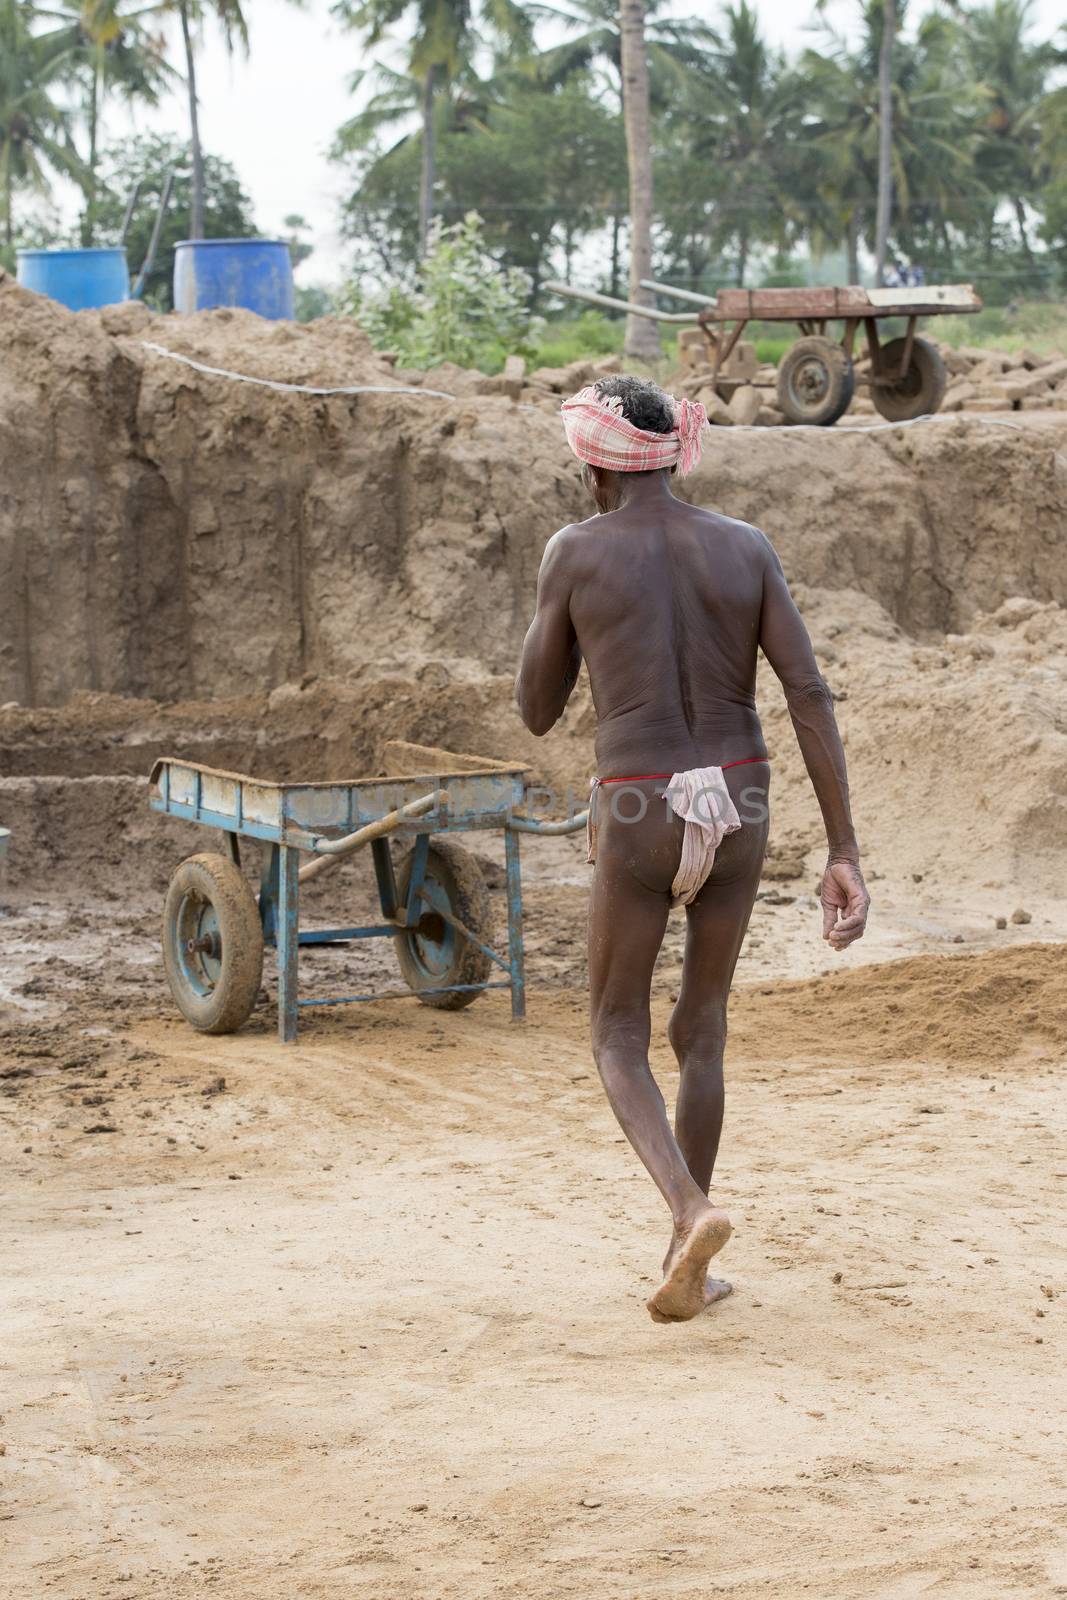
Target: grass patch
point(1040, 325)
point(772, 347)
point(578, 339)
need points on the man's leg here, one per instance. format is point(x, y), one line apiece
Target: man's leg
point(717, 921)
point(628, 914)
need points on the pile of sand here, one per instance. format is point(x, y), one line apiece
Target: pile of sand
point(984, 1009)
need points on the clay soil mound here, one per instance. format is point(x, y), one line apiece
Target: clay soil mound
point(178, 535)
point(968, 1010)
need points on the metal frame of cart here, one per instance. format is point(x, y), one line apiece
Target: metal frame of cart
point(328, 821)
point(815, 376)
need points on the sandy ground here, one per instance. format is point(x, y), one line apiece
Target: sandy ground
point(365, 1315)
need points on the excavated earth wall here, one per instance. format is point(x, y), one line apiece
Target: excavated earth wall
point(178, 535)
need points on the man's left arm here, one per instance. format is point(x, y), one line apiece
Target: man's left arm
point(551, 658)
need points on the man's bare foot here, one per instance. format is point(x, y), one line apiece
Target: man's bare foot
point(715, 1289)
point(681, 1295)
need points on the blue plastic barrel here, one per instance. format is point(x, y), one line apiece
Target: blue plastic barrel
point(254, 273)
point(79, 279)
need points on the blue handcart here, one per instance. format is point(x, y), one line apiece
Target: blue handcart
point(434, 902)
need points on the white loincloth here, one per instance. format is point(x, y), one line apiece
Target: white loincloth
point(702, 800)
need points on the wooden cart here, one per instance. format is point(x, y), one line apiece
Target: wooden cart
point(815, 376)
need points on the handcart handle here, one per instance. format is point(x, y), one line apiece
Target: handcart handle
point(520, 824)
point(328, 850)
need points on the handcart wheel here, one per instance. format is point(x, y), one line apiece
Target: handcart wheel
point(433, 954)
point(815, 382)
point(920, 391)
point(212, 943)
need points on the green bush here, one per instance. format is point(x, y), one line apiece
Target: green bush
point(589, 334)
point(1039, 324)
point(772, 347)
point(464, 306)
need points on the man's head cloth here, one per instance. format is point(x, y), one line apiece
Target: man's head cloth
point(600, 432)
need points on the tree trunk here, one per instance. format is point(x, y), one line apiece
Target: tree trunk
point(196, 211)
point(742, 256)
point(88, 222)
point(9, 224)
point(642, 335)
point(852, 241)
point(1020, 218)
point(616, 229)
point(885, 139)
point(426, 178)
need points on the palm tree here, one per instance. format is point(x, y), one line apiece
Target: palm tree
point(672, 49)
point(117, 50)
point(1013, 73)
point(34, 127)
point(885, 17)
point(745, 110)
point(642, 334)
point(842, 170)
point(884, 203)
point(933, 111)
point(443, 40)
point(1053, 117)
point(231, 19)
point(396, 100)
point(648, 58)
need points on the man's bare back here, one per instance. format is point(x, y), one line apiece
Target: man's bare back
point(669, 605)
point(666, 600)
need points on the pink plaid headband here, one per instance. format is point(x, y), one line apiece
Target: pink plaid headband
point(598, 433)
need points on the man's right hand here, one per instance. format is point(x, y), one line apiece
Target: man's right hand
point(845, 903)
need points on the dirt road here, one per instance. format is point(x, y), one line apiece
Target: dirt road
point(365, 1318)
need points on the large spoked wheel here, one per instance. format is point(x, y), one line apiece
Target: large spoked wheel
point(815, 382)
point(433, 954)
point(212, 943)
point(920, 391)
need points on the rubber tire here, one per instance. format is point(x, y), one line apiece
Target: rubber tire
point(221, 883)
point(460, 876)
point(840, 382)
point(922, 388)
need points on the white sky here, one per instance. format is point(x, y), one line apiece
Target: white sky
point(274, 114)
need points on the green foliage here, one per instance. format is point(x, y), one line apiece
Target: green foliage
point(1040, 326)
point(1053, 153)
point(463, 307)
point(312, 302)
point(591, 334)
point(35, 125)
point(299, 247)
point(772, 347)
point(762, 165)
point(544, 167)
point(118, 51)
point(227, 213)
